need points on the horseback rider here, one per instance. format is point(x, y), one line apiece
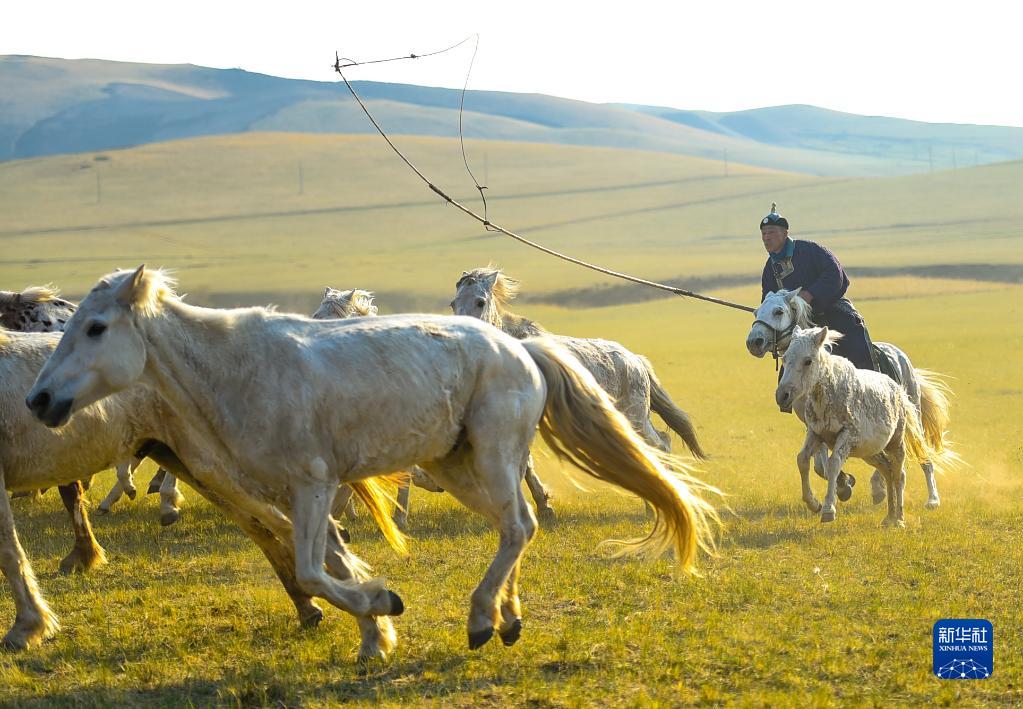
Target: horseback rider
point(812, 268)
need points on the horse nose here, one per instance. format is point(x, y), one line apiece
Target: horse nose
point(755, 345)
point(39, 403)
point(782, 396)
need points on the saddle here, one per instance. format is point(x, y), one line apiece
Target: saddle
point(887, 365)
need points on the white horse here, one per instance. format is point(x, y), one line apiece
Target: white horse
point(41, 309)
point(855, 413)
point(264, 407)
point(776, 319)
point(33, 457)
point(627, 377)
point(358, 303)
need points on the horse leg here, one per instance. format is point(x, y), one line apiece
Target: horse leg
point(125, 477)
point(310, 506)
point(932, 486)
point(840, 454)
point(115, 494)
point(896, 483)
point(811, 446)
point(87, 553)
point(401, 511)
point(540, 494)
point(877, 487)
point(344, 503)
point(33, 619)
point(421, 479)
point(156, 481)
point(378, 638)
point(491, 488)
point(170, 499)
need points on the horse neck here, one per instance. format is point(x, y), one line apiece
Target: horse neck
point(515, 325)
point(185, 355)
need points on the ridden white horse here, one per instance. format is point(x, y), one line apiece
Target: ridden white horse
point(783, 311)
point(358, 303)
point(628, 378)
point(854, 413)
point(264, 407)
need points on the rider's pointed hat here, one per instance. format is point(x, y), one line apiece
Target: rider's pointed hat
point(774, 219)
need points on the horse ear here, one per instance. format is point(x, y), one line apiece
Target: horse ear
point(821, 336)
point(125, 294)
point(373, 309)
point(326, 291)
point(792, 294)
point(492, 278)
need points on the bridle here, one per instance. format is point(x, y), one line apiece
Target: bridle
point(777, 336)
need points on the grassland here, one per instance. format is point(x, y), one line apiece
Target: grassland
point(791, 613)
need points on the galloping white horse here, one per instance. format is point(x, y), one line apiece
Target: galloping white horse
point(783, 311)
point(855, 413)
point(264, 407)
point(627, 377)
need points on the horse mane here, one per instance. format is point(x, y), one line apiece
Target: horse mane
point(155, 287)
point(346, 304)
point(804, 312)
point(505, 289)
point(32, 294)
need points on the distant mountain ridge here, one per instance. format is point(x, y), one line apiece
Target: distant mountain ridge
point(54, 106)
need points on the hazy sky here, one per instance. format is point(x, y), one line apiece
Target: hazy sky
point(929, 61)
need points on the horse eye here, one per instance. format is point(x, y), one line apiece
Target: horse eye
point(480, 302)
point(807, 362)
point(96, 329)
point(778, 312)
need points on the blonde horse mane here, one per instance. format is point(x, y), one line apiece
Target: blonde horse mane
point(32, 294)
point(505, 288)
point(153, 287)
point(349, 303)
point(804, 313)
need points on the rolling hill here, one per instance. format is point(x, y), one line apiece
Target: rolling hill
point(55, 106)
point(261, 217)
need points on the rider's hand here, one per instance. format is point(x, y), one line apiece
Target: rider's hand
point(806, 295)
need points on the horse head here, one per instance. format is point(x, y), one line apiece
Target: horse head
point(340, 304)
point(103, 349)
point(802, 363)
point(776, 318)
point(480, 293)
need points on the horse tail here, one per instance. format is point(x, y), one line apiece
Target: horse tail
point(374, 494)
point(581, 424)
point(921, 443)
point(677, 419)
point(934, 407)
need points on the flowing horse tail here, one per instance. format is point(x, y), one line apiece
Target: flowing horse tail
point(677, 419)
point(926, 431)
point(934, 408)
point(581, 424)
point(373, 493)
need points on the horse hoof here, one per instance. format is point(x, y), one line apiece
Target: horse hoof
point(169, 518)
point(153, 489)
point(845, 493)
point(311, 620)
point(102, 510)
point(132, 494)
point(510, 636)
point(346, 536)
point(547, 516)
point(397, 606)
point(827, 516)
point(480, 638)
point(932, 504)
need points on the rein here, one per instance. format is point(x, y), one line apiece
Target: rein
point(778, 335)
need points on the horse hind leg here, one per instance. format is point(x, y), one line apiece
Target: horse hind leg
point(87, 553)
point(491, 488)
point(33, 619)
point(170, 500)
point(933, 501)
point(401, 510)
point(541, 495)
